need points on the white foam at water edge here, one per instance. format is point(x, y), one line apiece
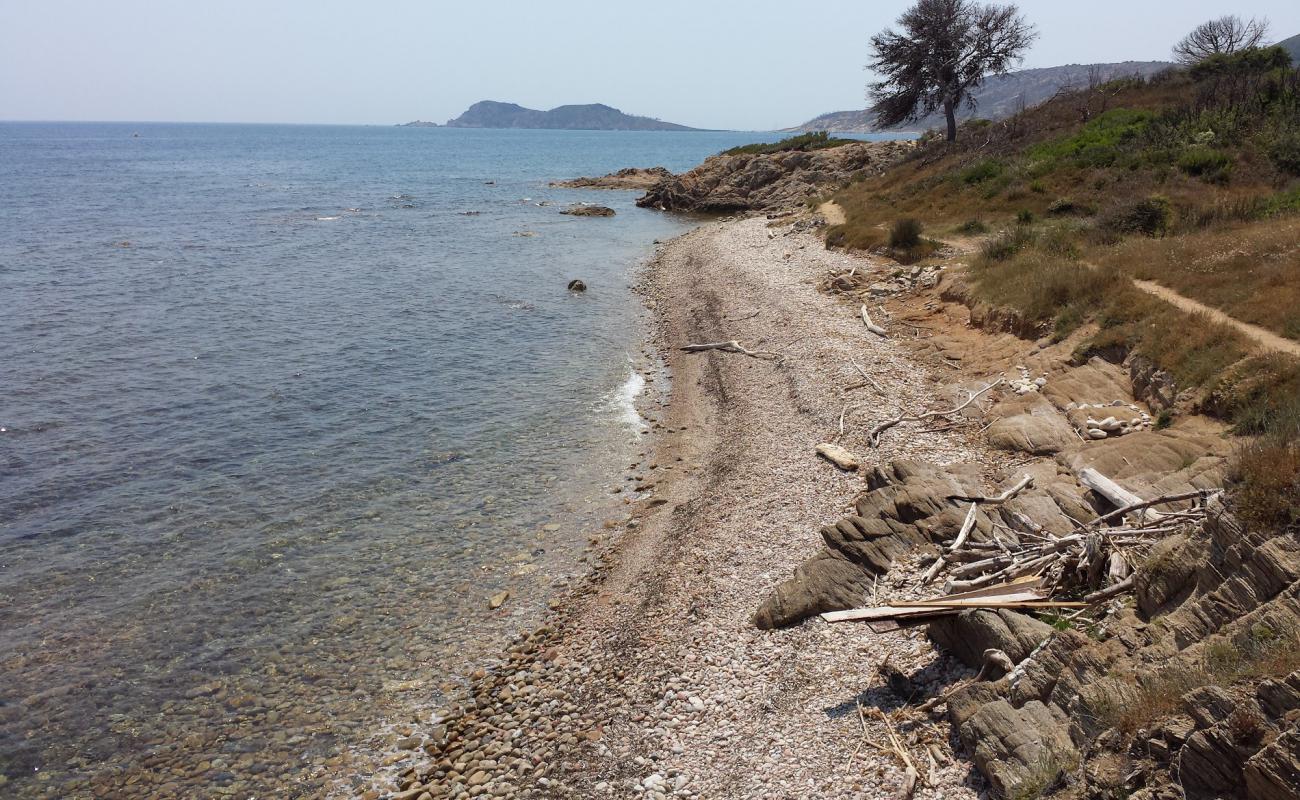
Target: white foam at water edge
point(625, 398)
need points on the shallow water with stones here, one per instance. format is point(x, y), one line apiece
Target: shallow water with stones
point(281, 407)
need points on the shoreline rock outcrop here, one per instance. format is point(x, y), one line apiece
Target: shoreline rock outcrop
point(727, 183)
point(632, 178)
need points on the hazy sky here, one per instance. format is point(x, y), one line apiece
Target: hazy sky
point(745, 65)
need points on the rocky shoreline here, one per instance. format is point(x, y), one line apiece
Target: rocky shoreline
point(651, 677)
point(690, 662)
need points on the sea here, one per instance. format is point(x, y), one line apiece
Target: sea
point(282, 407)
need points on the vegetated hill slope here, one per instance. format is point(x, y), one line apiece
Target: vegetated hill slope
point(1190, 179)
point(1292, 46)
point(592, 117)
point(999, 97)
point(1191, 182)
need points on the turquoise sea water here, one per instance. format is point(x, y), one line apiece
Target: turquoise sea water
point(280, 408)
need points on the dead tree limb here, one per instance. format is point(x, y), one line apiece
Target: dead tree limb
point(871, 326)
point(733, 346)
point(884, 426)
point(1026, 482)
point(867, 379)
point(966, 526)
point(1131, 507)
point(911, 773)
point(1117, 495)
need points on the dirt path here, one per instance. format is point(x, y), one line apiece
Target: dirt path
point(1264, 338)
point(832, 212)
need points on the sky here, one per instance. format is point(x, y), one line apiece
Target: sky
point(755, 65)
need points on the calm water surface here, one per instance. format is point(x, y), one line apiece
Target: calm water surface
point(280, 408)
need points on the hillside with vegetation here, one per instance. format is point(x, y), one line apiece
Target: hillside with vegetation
point(999, 97)
point(590, 117)
point(1188, 179)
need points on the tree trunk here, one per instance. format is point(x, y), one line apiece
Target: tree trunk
point(950, 114)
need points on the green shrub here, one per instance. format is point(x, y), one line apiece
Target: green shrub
point(1284, 152)
point(1100, 143)
point(1254, 61)
point(1150, 217)
point(982, 171)
point(1206, 163)
point(817, 140)
point(972, 226)
point(1062, 206)
point(1006, 245)
point(905, 233)
point(1024, 217)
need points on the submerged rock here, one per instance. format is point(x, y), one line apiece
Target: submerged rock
point(577, 285)
point(588, 211)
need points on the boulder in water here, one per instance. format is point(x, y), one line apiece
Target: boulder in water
point(588, 211)
point(576, 285)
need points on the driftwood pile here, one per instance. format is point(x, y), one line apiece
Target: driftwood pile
point(1035, 569)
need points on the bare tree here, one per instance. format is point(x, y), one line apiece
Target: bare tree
point(1227, 34)
point(945, 49)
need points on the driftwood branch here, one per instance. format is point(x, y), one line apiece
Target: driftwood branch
point(1143, 504)
point(911, 773)
point(967, 525)
point(1117, 495)
point(867, 380)
point(733, 346)
point(884, 426)
point(871, 326)
point(1026, 482)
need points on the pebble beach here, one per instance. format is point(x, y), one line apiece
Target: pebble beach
point(651, 678)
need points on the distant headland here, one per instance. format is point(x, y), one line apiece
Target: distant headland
point(591, 117)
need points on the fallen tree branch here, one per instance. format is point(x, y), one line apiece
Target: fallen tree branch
point(733, 346)
point(867, 379)
point(911, 774)
point(1110, 591)
point(1131, 507)
point(1117, 495)
point(871, 326)
point(874, 437)
point(1024, 483)
point(966, 527)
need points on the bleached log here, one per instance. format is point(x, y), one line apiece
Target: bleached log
point(871, 326)
point(1167, 498)
point(838, 456)
point(1117, 495)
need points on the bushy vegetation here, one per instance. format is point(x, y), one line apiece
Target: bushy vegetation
point(816, 140)
point(905, 233)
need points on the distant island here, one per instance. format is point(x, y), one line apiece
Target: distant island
point(593, 117)
point(419, 123)
point(999, 97)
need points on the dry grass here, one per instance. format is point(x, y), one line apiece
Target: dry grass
point(1261, 653)
point(1251, 271)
